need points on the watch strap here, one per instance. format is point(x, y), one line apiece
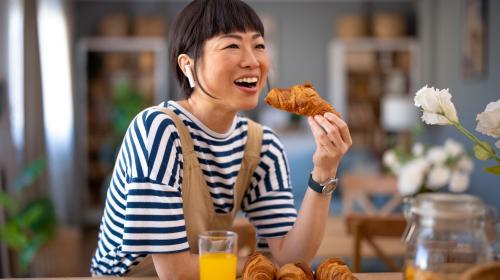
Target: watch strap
point(320, 187)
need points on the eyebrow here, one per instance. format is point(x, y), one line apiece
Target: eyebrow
point(239, 37)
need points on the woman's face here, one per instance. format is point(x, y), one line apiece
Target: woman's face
point(234, 69)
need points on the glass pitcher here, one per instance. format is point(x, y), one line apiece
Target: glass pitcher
point(445, 235)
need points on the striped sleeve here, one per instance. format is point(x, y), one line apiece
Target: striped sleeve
point(269, 201)
point(154, 219)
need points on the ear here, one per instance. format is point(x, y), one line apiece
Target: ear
point(183, 60)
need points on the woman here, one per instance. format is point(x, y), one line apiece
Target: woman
point(190, 165)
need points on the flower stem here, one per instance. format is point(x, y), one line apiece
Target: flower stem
point(466, 132)
point(472, 137)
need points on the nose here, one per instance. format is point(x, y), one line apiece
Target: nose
point(249, 59)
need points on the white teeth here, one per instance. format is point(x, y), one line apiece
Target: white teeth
point(247, 80)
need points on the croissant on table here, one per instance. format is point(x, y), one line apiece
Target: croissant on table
point(299, 99)
point(258, 267)
point(334, 269)
point(298, 271)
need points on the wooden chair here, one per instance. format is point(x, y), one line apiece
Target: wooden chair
point(373, 225)
point(370, 227)
point(357, 188)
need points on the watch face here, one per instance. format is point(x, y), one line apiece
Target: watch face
point(328, 188)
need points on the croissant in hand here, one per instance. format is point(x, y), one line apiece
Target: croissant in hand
point(334, 269)
point(258, 267)
point(299, 99)
point(298, 271)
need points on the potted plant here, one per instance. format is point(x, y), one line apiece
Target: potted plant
point(29, 224)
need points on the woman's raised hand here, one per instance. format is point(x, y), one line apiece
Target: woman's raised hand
point(333, 139)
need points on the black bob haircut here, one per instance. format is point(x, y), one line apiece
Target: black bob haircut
point(202, 20)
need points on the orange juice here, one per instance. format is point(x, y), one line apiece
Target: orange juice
point(218, 266)
point(413, 273)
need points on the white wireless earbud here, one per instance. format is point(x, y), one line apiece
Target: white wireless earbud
point(189, 75)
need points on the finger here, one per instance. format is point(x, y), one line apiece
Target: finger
point(327, 145)
point(316, 130)
point(344, 129)
point(332, 131)
point(320, 137)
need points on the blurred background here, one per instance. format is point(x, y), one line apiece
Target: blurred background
point(73, 73)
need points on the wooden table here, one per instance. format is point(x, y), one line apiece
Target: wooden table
point(361, 276)
point(380, 276)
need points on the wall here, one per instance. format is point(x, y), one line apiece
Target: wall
point(306, 28)
point(304, 32)
point(469, 97)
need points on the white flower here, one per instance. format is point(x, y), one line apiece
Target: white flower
point(488, 122)
point(459, 182)
point(436, 105)
point(436, 155)
point(438, 177)
point(390, 160)
point(453, 148)
point(465, 164)
point(411, 176)
point(417, 149)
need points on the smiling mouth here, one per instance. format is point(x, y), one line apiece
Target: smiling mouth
point(246, 82)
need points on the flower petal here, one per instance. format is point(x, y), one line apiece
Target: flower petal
point(426, 98)
point(459, 182)
point(438, 177)
point(453, 148)
point(488, 122)
point(446, 106)
point(434, 118)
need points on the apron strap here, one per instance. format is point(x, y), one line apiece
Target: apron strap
point(251, 159)
point(186, 141)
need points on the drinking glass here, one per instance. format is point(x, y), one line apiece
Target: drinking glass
point(217, 251)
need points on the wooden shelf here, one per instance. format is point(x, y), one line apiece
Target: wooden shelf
point(114, 72)
point(358, 71)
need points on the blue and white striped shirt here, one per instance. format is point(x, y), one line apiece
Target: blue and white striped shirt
point(143, 212)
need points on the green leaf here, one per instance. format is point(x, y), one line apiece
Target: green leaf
point(28, 253)
point(29, 174)
point(7, 202)
point(483, 150)
point(39, 215)
point(493, 169)
point(32, 213)
point(13, 235)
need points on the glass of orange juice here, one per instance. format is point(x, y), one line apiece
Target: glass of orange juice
point(217, 250)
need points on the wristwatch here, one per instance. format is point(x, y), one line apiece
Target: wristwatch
point(323, 188)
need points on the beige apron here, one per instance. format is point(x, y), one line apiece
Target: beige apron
point(198, 207)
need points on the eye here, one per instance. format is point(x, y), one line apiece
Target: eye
point(260, 46)
point(232, 46)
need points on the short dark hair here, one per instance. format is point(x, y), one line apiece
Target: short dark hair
point(202, 20)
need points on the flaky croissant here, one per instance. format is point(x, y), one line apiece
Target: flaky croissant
point(258, 267)
point(299, 99)
point(298, 271)
point(334, 269)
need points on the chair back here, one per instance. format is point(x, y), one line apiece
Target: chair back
point(358, 188)
point(374, 223)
